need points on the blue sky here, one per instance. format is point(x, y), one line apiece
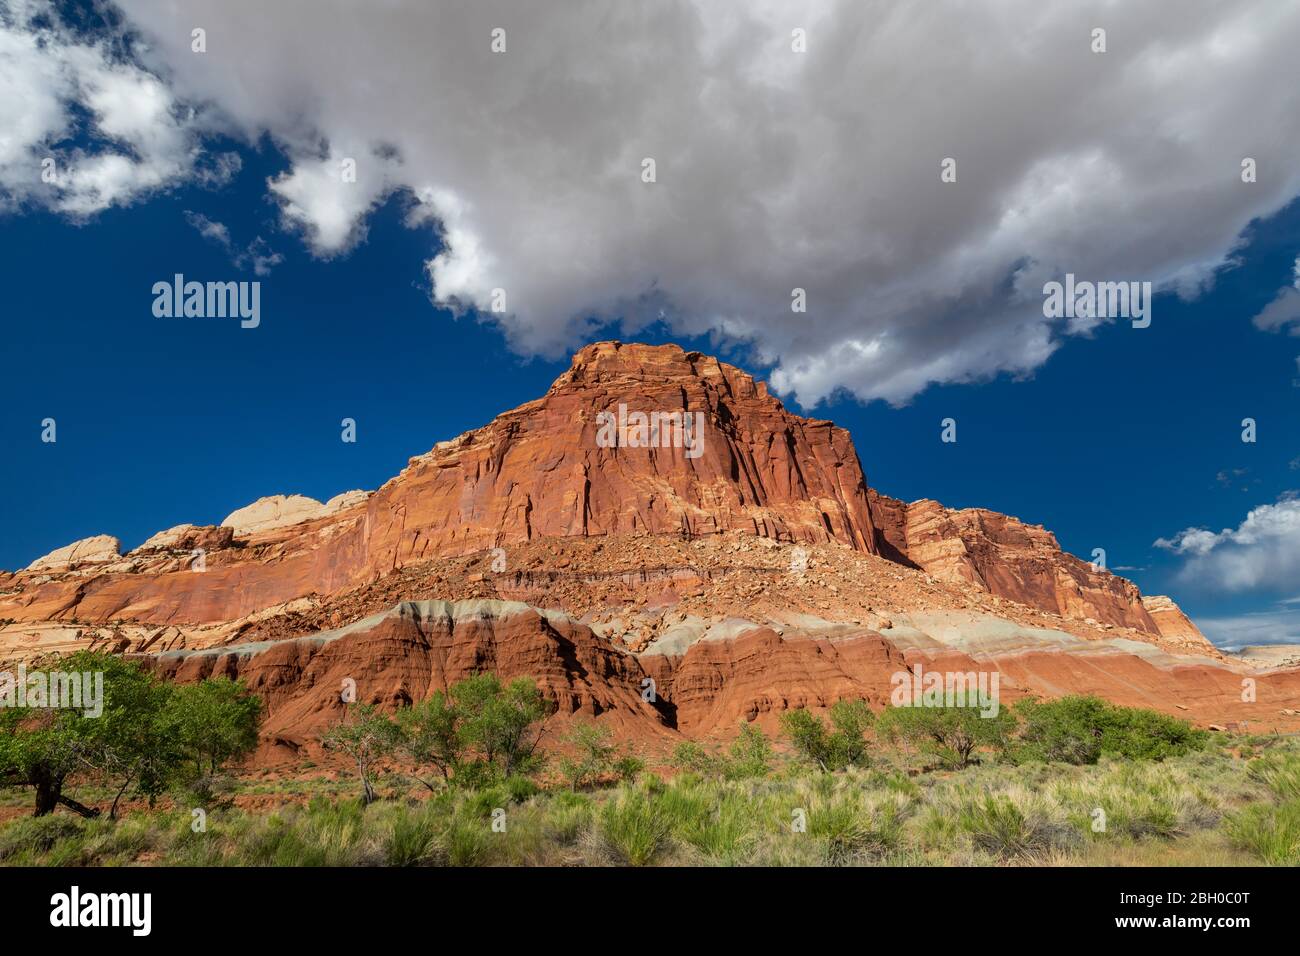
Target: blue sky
point(1112, 439)
point(1118, 440)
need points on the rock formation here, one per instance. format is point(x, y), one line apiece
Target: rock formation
point(743, 566)
point(100, 549)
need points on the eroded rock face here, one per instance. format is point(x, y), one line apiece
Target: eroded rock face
point(100, 549)
point(536, 471)
point(188, 537)
point(1003, 555)
point(747, 673)
point(714, 686)
point(421, 646)
point(540, 470)
point(769, 519)
point(1174, 626)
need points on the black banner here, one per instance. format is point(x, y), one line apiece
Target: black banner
point(335, 906)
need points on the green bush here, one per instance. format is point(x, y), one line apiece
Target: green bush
point(1079, 730)
point(850, 830)
point(37, 835)
point(750, 754)
point(845, 746)
point(593, 754)
point(952, 735)
point(691, 757)
point(412, 838)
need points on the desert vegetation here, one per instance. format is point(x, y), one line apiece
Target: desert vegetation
point(464, 779)
point(151, 737)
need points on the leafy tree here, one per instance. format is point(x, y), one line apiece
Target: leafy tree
point(126, 743)
point(808, 736)
point(41, 750)
point(845, 746)
point(477, 732)
point(133, 745)
point(430, 736)
point(215, 721)
point(500, 722)
point(1078, 730)
point(851, 720)
point(146, 735)
point(951, 734)
point(367, 736)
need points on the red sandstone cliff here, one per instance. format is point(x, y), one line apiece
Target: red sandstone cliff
point(535, 471)
point(1020, 562)
point(792, 582)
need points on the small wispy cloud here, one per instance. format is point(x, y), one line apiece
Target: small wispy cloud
point(257, 255)
point(1282, 314)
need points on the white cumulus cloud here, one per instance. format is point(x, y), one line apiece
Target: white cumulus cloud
point(1260, 554)
point(776, 169)
point(143, 139)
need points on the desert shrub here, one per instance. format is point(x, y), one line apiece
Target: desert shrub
point(412, 838)
point(997, 825)
point(567, 817)
point(35, 836)
point(1272, 833)
point(628, 767)
point(1280, 773)
point(692, 757)
point(633, 827)
point(520, 788)
point(851, 828)
point(324, 833)
point(593, 755)
point(952, 735)
point(750, 754)
point(724, 833)
point(843, 746)
point(1079, 730)
point(208, 790)
point(468, 842)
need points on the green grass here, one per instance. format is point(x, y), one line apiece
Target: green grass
point(1207, 808)
point(1270, 833)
